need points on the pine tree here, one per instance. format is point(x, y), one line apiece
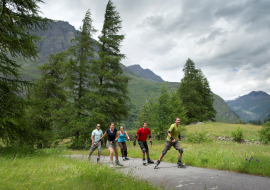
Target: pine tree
point(195, 94)
point(47, 98)
point(78, 79)
point(19, 20)
point(110, 95)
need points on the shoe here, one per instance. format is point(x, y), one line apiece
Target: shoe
point(157, 163)
point(126, 158)
point(111, 165)
point(117, 163)
point(181, 165)
point(144, 162)
point(98, 159)
point(150, 161)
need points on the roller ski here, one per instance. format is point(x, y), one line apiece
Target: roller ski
point(156, 165)
point(149, 161)
point(180, 164)
point(117, 163)
point(144, 162)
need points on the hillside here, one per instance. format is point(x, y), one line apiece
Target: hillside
point(266, 115)
point(145, 73)
point(251, 106)
point(57, 39)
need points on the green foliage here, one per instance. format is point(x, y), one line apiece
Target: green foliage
point(240, 121)
point(199, 137)
point(19, 20)
point(109, 94)
point(265, 132)
point(237, 134)
point(195, 93)
point(47, 97)
point(160, 112)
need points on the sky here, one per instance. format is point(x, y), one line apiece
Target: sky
point(228, 40)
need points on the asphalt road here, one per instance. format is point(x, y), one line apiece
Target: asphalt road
point(170, 176)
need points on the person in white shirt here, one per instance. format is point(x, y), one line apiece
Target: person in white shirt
point(96, 142)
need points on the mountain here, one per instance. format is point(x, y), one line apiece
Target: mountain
point(145, 73)
point(143, 82)
point(251, 106)
point(224, 112)
point(266, 115)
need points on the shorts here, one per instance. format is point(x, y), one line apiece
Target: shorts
point(94, 147)
point(109, 145)
point(169, 144)
point(144, 145)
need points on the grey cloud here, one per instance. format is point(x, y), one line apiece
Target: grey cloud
point(211, 36)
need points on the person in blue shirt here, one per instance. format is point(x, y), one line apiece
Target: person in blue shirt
point(122, 142)
point(113, 136)
point(96, 142)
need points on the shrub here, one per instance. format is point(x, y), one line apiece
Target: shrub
point(199, 137)
point(237, 134)
point(265, 133)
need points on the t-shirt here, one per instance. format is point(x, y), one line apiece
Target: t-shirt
point(174, 130)
point(111, 135)
point(143, 134)
point(122, 137)
point(97, 134)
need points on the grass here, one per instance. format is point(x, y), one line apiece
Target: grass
point(250, 132)
point(25, 168)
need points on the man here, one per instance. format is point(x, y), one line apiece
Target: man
point(142, 136)
point(173, 133)
point(96, 142)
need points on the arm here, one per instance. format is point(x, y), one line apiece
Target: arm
point(117, 135)
point(135, 138)
point(150, 138)
point(169, 134)
point(179, 137)
point(127, 136)
point(103, 136)
point(92, 138)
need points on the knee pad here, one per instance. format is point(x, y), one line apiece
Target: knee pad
point(164, 152)
point(143, 150)
point(180, 150)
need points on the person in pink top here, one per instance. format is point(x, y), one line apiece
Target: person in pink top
point(142, 134)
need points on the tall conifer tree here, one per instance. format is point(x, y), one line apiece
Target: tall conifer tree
point(195, 93)
point(19, 20)
point(110, 95)
point(78, 76)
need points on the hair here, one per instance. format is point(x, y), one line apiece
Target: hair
point(111, 123)
point(98, 124)
point(121, 126)
point(144, 123)
point(177, 118)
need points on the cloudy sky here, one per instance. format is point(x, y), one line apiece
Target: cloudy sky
point(228, 40)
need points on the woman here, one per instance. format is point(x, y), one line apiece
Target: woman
point(111, 143)
point(122, 142)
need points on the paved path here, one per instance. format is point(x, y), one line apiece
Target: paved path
point(171, 177)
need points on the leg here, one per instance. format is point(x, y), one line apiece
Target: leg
point(142, 148)
point(178, 147)
point(122, 148)
point(125, 149)
point(99, 151)
point(111, 153)
point(116, 152)
point(92, 149)
point(167, 147)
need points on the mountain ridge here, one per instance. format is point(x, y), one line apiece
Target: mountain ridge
point(145, 73)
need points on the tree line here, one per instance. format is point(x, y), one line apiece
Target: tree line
point(77, 89)
point(80, 87)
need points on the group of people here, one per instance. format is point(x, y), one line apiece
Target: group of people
point(114, 136)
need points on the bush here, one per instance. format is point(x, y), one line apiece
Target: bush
point(199, 137)
point(238, 134)
point(265, 133)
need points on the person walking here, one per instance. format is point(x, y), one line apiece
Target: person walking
point(122, 142)
point(113, 136)
point(142, 134)
point(173, 133)
point(96, 142)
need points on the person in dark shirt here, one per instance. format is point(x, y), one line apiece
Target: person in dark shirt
point(142, 136)
point(113, 136)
